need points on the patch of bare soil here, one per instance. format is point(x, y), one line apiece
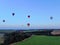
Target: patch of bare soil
point(55, 32)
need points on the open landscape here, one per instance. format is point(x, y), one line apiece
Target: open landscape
point(28, 37)
point(40, 40)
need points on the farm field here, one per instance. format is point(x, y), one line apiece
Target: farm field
point(40, 40)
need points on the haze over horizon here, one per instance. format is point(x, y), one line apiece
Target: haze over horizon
point(40, 12)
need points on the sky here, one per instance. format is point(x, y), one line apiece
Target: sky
point(40, 12)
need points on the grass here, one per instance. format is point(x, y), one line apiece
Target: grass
point(40, 40)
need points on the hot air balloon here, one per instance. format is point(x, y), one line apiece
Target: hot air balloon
point(28, 24)
point(3, 20)
point(28, 16)
point(13, 14)
point(51, 17)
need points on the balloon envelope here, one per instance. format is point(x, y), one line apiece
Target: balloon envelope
point(51, 18)
point(28, 16)
point(28, 24)
point(3, 20)
point(13, 14)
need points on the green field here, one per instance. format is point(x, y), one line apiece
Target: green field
point(40, 40)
